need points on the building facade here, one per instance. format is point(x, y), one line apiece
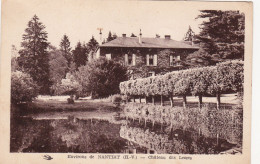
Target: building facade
point(145, 57)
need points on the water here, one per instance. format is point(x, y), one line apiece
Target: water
point(120, 135)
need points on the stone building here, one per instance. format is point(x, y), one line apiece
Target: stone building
point(147, 56)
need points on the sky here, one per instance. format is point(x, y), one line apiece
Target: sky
point(80, 19)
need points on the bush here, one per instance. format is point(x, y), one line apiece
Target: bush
point(23, 88)
point(101, 77)
point(68, 86)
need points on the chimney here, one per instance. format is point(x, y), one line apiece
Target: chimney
point(140, 37)
point(123, 35)
point(168, 37)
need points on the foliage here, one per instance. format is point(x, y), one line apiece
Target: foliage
point(189, 35)
point(101, 77)
point(227, 76)
point(199, 58)
point(222, 33)
point(69, 85)
point(111, 37)
point(23, 88)
point(58, 66)
point(66, 49)
point(80, 55)
point(14, 56)
point(33, 55)
point(92, 45)
point(209, 120)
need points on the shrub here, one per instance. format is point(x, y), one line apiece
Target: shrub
point(68, 86)
point(23, 88)
point(101, 77)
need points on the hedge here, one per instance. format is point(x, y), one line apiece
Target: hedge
point(213, 80)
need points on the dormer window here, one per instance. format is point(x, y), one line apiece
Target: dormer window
point(175, 60)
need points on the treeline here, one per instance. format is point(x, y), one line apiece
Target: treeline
point(215, 80)
point(60, 70)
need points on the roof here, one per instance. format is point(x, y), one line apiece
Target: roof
point(148, 43)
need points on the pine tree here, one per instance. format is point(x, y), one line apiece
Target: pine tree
point(110, 37)
point(66, 49)
point(222, 33)
point(189, 35)
point(80, 55)
point(133, 35)
point(92, 44)
point(33, 55)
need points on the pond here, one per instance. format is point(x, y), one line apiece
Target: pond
point(118, 134)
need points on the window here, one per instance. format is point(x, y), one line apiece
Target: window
point(175, 60)
point(130, 59)
point(108, 56)
point(151, 74)
point(151, 60)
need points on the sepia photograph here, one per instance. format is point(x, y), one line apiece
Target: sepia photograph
point(110, 78)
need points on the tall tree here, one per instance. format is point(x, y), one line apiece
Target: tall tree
point(110, 37)
point(33, 55)
point(222, 33)
point(80, 55)
point(189, 35)
point(92, 44)
point(66, 49)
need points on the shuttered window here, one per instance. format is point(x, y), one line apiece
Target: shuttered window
point(151, 60)
point(175, 60)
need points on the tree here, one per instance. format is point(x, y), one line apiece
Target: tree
point(58, 66)
point(189, 35)
point(92, 45)
point(14, 56)
point(68, 86)
point(110, 37)
point(222, 33)
point(133, 35)
point(101, 77)
point(23, 88)
point(199, 58)
point(33, 55)
point(66, 49)
point(80, 55)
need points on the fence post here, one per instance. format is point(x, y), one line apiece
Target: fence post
point(153, 100)
point(146, 99)
point(140, 99)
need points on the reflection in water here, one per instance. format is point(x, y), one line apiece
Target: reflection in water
point(139, 136)
point(172, 140)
